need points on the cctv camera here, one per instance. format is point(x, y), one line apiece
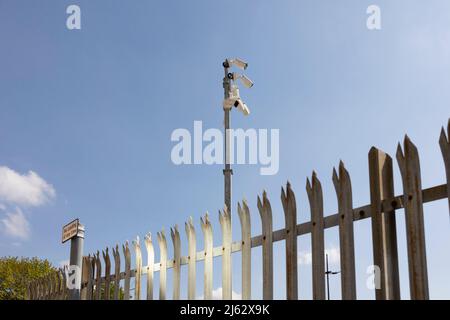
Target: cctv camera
point(238, 63)
point(242, 107)
point(246, 81)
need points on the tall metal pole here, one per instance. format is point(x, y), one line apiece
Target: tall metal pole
point(76, 260)
point(227, 172)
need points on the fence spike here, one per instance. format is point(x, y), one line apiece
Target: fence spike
point(444, 142)
point(64, 283)
point(192, 257)
point(43, 283)
point(225, 223)
point(384, 236)
point(127, 256)
point(35, 290)
point(137, 277)
point(163, 264)
point(30, 295)
point(208, 270)
point(88, 273)
point(343, 188)
point(57, 285)
point(290, 215)
point(51, 282)
point(38, 289)
point(244, 217)
point(45, 288)
point(116, 255)
point(41, 286)
point(107, 260)
point(315, 197)
point(265, 212)
point(175, 235)
point(415, 234)
point(98, 276)
point(150, 265)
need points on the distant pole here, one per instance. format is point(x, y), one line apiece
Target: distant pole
point(327, 273)
point(76, 259)
point(328, 279)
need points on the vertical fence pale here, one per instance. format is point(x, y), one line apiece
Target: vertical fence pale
point(162, 265)
point(343, 188)
point(175, 235)
point(265, 211)
point(314, 190)
point(116, 255)
point(208, 252)
point(384, 234)
point(137, 277)
point(244, 217)
point(107, 273)
point(290, 215)
point(415, 233)
point(444, 142)
point(225, 223)
point(192, 257)
point(150, 263)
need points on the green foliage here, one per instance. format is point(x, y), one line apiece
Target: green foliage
point(16, 273)
point(111, 291)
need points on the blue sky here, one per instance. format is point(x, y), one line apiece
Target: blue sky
point(91, 113)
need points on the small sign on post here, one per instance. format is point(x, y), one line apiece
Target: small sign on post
point(74, 231)
point(70, 230)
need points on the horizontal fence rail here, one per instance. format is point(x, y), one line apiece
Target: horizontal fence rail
point(99, 284)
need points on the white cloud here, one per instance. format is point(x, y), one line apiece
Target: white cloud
point(24, 189)
point(15, 224)
point(334, 255)
point(305, 257)
point(217, 295)
point(19, 191)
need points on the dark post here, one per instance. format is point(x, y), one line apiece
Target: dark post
point(76, 259)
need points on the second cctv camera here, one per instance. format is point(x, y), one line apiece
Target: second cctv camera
point(242, 107)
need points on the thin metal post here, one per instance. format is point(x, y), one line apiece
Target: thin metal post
point(227, 172)
point(327, 274)
point(76, 259)
point(328, 279)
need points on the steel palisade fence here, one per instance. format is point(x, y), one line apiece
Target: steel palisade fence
point(102, 284)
